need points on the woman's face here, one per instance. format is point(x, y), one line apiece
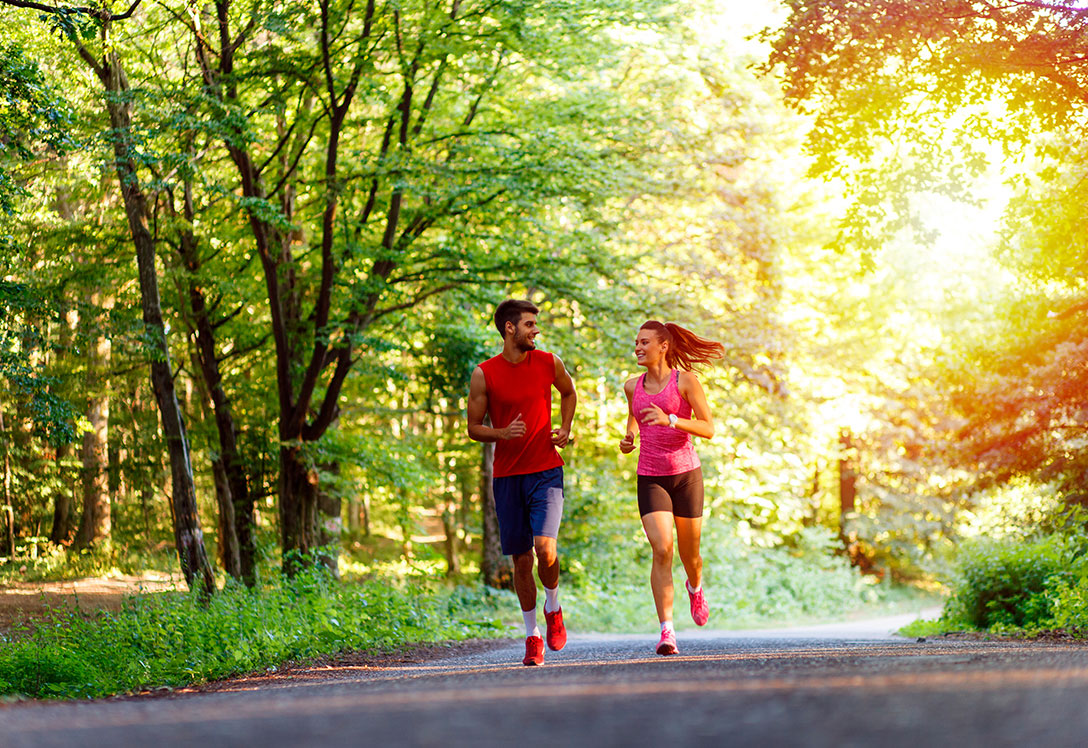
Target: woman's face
point(649, 348)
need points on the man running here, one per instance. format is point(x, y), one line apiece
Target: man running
point(515, 389)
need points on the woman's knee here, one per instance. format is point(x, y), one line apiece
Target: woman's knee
point(662, 554)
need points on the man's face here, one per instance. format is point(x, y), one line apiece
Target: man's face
point(525, 332)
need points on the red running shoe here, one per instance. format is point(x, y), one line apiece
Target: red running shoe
point(700, 613)
point(667, 645)
point(534, 651)
point(557, 632)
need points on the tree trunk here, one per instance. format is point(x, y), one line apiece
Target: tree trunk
point(449, 526)
point(298, 509)
point(229, 556)
point(62, 501)
point(6, 508)
point(847, 500)
point(847, 479)
point(496, 569)
point(95, 522)
point(188, 537)
point(240, 533)
point(229, 551)
point(330, 525)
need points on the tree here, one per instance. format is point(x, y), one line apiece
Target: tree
point(451, 172)
point(109, 69)
point(903, 93)
point(914, 98)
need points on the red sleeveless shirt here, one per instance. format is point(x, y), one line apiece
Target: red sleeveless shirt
point(524, 388)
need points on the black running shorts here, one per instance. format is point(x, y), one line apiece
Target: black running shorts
point(680, 494)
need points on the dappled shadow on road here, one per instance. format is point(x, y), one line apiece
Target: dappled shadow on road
point(610, 692)
point(472, 672)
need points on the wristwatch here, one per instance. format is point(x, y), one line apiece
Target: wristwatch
point(672, 420)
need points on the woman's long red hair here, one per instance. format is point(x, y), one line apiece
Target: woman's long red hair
point(686, 349)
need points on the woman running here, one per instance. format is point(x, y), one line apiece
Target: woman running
point(668, 406)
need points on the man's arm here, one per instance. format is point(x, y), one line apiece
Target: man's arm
point(568, 400)
point(477, 411)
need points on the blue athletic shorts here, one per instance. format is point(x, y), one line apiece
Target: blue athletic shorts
point(527, 506)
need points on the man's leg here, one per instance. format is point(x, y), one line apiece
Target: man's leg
point(516, 535)
point(525, 587)
point(524, 584)
point(547, 559)
point(546, 512)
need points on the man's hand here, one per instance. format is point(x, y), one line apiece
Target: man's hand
point(627, 443)
point(515, 430)
point(560, 437)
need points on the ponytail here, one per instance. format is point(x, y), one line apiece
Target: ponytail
point(686, 349)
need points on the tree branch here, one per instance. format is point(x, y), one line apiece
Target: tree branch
point(100, 13)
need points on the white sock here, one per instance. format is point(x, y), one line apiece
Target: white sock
point(530, 622)
point(666, 626)
point(692, 590)
point(551, 599)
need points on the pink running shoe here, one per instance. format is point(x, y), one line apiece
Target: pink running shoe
point(667, 645)
point(534, 651)
point(700, 613)
point(557, 632)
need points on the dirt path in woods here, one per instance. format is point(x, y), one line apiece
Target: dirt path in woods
point(24, 601)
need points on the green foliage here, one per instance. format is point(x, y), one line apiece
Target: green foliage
point(1006, 583)
point(24, 312)
point(904, 94)
point(606, 559)
point(175, 639)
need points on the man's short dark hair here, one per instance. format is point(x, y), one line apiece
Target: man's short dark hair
point(511, 311)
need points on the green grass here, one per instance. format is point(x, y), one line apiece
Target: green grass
point(175, 639)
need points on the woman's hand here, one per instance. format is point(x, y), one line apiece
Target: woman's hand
point(653, 416)
point(627, 443)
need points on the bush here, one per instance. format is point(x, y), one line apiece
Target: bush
point(1010, 583)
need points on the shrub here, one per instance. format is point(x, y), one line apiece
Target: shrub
point(1010, 583)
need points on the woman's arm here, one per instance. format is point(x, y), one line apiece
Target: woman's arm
point(700, 424)
point(627, 443)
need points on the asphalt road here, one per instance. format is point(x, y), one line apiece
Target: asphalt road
point(852, 685)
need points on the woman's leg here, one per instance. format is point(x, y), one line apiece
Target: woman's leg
point(688, 533)
point(658, 527)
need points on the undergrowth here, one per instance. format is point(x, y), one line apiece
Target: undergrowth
point(1018, 586)
point(176, 639)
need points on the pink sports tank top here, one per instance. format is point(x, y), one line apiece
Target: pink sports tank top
point(664, 450)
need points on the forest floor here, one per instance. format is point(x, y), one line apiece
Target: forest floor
point(21, 602)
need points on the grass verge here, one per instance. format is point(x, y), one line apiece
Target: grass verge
point(175, 639)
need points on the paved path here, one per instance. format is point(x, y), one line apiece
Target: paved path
point(843, 685)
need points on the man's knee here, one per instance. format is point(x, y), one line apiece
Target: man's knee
point(546, 551)
point(523, 562)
